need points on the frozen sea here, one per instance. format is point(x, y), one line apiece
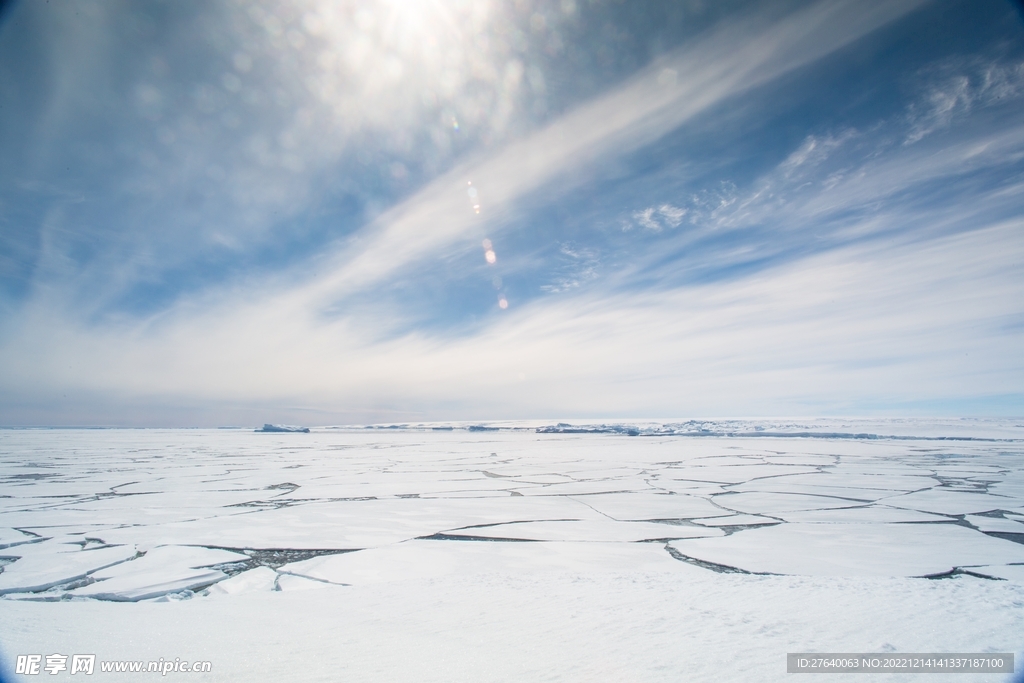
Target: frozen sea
point(513, 551)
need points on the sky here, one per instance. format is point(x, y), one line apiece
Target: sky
point(313, 212)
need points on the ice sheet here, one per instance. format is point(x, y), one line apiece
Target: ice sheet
point(741, 472)
point(162, 570)
point(581, 488)
point(945, 501)
point(363, 489)
point(292, 583)
point(847, 475)
point(152, 582)
point(13, 537)
point(589, 530)
point(429, 559)
point(260, 579)
point(1007, 572)
point(775, 503)
point(998, 524)
point(58, 543)
point(736, 520)
point(602, 607)
point(853, 549)
point(354, 524)
point(822, 486)
point(644, 506)
point(868, 514)
point(41, 571)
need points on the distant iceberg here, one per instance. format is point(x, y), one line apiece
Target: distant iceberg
point(283, 428)
point(565, 428)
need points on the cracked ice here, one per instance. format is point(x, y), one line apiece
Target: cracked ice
point(537, 521)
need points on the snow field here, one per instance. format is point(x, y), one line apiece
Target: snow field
point(416, 554)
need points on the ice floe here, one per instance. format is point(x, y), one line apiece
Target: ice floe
point(582, 530)
point(1006, 572)
point(162, 570)
point(641, 506)
point(38, 572)
point(290, 582)
point(853, 549)
point(769, 503)
point(867, 514)
point(995, 524)
point(234, 511)
point(258, 580)
point(736, 520)
point(431, 558)
point(13, 537)
point(451, 554)
point(946, 501)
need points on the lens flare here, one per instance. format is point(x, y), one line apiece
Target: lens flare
point(489, 254)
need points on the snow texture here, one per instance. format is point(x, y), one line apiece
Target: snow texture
point(507, 551)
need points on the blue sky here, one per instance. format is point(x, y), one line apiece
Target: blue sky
point(328, 212)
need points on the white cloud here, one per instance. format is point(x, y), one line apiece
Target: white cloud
point(857, 323)
point(213, 135)
point(645, 219)
point(864, 324)
point(657, 218)
point(304, 107)
point(672, 215)
point(579, 266)
point(815, 150)
point(833, 188)
point(634, 114)
point(955, 87)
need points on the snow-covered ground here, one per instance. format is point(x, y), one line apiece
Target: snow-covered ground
point(646, 551)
